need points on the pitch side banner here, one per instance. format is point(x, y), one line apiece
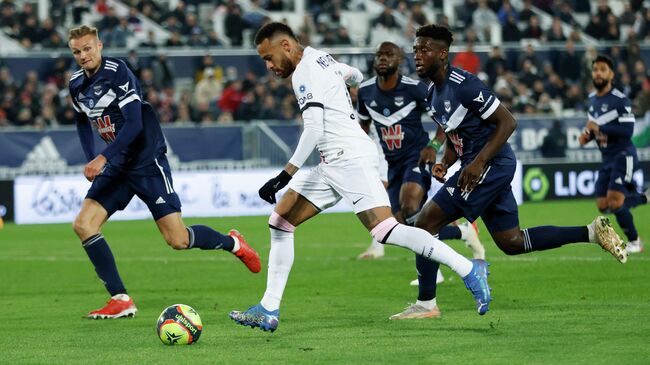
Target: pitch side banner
point(568, 180)
point(57, 199)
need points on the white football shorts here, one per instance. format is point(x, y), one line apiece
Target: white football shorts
point(356, 180)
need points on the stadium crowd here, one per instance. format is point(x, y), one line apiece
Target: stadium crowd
point(526, 83)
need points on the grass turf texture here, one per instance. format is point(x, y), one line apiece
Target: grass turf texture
point(574, 305)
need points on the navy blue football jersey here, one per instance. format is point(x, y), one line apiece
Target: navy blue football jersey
point(461, 106)
point(397, 116)
point(101, 98)
point(613, 114)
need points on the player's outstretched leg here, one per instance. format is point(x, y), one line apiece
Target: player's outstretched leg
point(206, 238)
point(421, 242)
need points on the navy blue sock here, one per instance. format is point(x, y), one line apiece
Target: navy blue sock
point(102, 258)
point(206, 238)
point(548, 237)
point(427, 275)
point(634, 200)
point(450, 232)
point(626, 221)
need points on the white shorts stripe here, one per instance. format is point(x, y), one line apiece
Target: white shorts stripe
point(629, 166)
point(168, 186)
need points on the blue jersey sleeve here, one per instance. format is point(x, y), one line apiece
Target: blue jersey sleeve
point(477, 97)
point(126, 88)
point(623, 125)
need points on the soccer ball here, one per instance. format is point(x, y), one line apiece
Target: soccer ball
point(179, 324)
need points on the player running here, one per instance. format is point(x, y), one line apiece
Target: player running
point(611, 123)
point(394, 104)
point(106, 95)
point(347, 170)
point(478, 128)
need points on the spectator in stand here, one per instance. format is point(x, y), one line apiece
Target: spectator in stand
point(4, 122)
point(641, 104)
point(231, 97)
point(505, 11)
point(533, 30)
point(386, 19)
point(163, 72)
point(109, 21)
point(235, 25)
point(570, 66)
point(172, 25)
point(343, 37)
point(527, 12)
point(134, 19)
point(179, 12)
point(269, 109)
point(175, 40)
point(565, 13)
point(613, 32)
point(55, 41)
point(528, 74)
point(530, 55)
point(120, 34)
point(595, 27)
point(574, 99)
point(209, 89)
point(134, 63)
point(191, 26)
point(482, 20)
point(510, 31)
point(555, 32)
point(150, 42)
point(249, 108)
point(8, 16)
point(495, 63)
point(467, 59)
point(213, 39)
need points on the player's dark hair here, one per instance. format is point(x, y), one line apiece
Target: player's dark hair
point(272, 29)
point(436, 32)
point(604, 59)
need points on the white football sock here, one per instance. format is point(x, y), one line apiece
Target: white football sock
point(592, 233)
point(280, 262)
point(122, 297)
point(423, 243)
point(376, 246)
point(236, 246)
point(463, 231)
point(428, 304)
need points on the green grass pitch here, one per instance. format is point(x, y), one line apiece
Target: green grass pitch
point(574, 305)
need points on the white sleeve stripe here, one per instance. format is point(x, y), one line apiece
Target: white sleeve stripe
point(607, 117)
point(491, 109)
point(128, 100)
point(363, 117)
point(75, 108)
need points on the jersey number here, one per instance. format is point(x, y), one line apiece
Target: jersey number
point(106, 129)
point(392, 136)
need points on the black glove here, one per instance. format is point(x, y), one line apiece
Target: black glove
point(268, 190)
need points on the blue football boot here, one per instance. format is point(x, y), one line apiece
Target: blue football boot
point(257, 316)
point(476, 282)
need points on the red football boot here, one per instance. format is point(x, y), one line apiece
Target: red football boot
point(120, 305)
point(246, 253)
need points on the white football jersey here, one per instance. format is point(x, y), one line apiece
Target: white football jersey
point(318, 81)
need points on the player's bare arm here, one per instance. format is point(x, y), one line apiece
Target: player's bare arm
point(430, 151)
point(505, 125)
point(449, 157)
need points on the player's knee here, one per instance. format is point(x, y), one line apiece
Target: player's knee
point(409, 210)
point(511, 244)
point(177, 242)
point(82, 227)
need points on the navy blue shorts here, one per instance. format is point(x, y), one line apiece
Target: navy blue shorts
point(616, 174)
point(115, 187)
point(407, 171)
point(492, 199)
